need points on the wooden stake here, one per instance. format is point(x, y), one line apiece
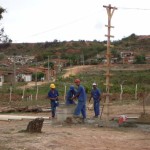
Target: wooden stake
point(23, 93)
point(65, 93)
point(121, 92)
point(136, 92)
point(37, 90)
point(10, 94)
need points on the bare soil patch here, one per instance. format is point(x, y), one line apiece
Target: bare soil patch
point(75, 137)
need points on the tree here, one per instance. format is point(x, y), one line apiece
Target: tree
point(51, 65)
point(140, 59)
point(3, 38)
point(39, 76)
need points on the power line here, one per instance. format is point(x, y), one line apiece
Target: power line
point(134, 8)
point(66, 24)
point(80, 19)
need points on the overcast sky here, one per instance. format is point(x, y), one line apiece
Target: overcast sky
point(46, 20)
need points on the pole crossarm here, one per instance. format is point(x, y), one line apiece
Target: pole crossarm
point(109, 12)
point(109, 26)
point(109, 36)
point(108, 45)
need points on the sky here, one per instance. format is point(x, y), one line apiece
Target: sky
point(65, 20)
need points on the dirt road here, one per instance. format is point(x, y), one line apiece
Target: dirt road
point(78, 69)
point(75, 70)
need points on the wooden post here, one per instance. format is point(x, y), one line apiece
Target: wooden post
point(143, 104)
point(23, 93)
point(121, 92)
point(136, 92)
point(65, 93)
point(110, 11)
point(48, 70)
point(36, 74)
point(31, 97)
point(10, 94)
point(37, 90)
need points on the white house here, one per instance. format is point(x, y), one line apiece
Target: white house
point(27, 77)
point(24, 77)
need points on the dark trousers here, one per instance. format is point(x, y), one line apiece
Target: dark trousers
point(81, 108)
point(53, 107)
point(96, 107)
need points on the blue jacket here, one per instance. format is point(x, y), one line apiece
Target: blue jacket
point(53, 95)
point(82, 94)
point(70, 94)
point(95, 93)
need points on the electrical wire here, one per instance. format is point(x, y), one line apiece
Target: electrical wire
point(133, 8)
point(80, 19)
point(65, 24)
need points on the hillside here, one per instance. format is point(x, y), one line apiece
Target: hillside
point(74, 50)
point(138, 44)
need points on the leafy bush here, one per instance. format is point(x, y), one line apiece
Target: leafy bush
point(39, 75)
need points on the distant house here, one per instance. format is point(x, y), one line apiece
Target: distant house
point(21, 59)
point(9, 77)
point(127, 57)
point(113, 60)
point(24, 75)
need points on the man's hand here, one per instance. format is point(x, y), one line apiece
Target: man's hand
point(53, 98)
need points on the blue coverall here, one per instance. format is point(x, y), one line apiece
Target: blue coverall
point(53, 94)
point(69, 95)
point(95, 93)
point(81, 106)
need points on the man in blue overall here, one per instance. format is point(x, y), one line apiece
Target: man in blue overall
point(96, 95)
point(81, 95)
point(71, 92)
point(53, 96)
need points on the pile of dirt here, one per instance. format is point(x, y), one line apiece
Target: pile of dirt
point(144, 118)
point(74, 120)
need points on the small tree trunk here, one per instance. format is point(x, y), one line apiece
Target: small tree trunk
point(35, 126)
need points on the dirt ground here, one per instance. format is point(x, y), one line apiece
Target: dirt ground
point(76, 136)
point(78, 69)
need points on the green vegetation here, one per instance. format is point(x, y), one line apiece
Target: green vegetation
point(140, 59)
point(51, 65)
point(37, 75)
point(3, 38)
point(129, 79)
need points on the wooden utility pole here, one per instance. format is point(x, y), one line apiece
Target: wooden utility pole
point(36, 74)
point(14, 71)
point(48, 70)
point(110, 11)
